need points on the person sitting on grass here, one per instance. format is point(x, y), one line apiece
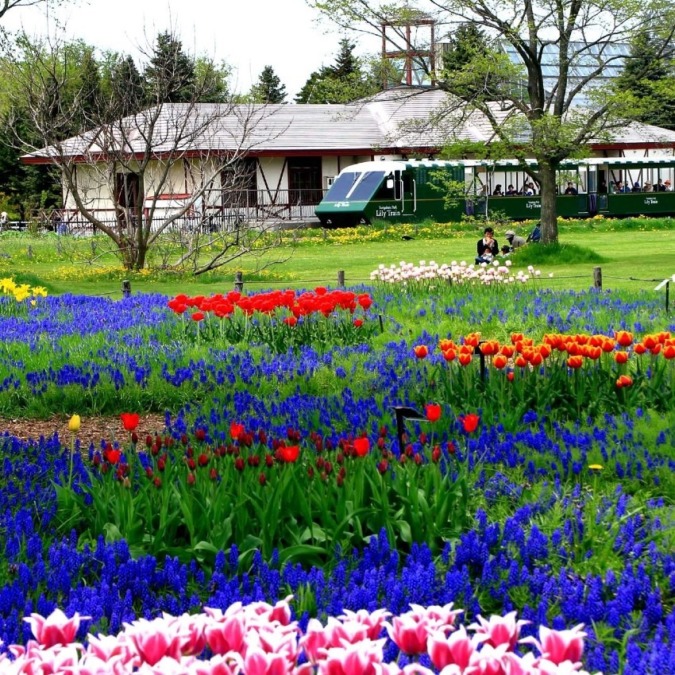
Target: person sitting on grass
point(535, 235)
point(515, 241)
point(487, 247)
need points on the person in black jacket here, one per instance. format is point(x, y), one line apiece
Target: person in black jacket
point(487, 247)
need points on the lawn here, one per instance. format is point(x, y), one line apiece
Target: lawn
point(497, 448)
point(631, 254)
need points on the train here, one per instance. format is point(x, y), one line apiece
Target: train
point(409, 191)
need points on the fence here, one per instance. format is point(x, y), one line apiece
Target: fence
point(341, 283)
point(224, 212)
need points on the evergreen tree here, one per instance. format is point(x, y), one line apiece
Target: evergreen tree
point(90, 93)
point(343, 82)
point(268, 89)
point(467, 52)
point(346, 63)
point(170, 76)
point(127, 91)
point(648, 76)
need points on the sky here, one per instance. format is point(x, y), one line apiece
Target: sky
point(247, 34)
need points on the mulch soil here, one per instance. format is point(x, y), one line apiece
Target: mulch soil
point(92, 429)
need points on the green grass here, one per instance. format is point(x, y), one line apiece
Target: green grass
point(633, 254)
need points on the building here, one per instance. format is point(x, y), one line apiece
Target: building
point(270, 162)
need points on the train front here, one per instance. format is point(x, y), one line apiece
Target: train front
point(348, 201)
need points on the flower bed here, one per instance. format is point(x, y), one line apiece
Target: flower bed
point(285, 472)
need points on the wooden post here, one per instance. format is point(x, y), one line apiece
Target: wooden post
point(341, 278)
point(668, 297)
point(597, 277)
point(239, 281)
point(126, 288)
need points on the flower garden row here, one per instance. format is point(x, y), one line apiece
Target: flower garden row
point(540, 487)
point(258, 639)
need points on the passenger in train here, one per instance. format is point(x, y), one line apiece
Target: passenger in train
point(487, 247)
point(498, 191)
point(602, 188)
point(570, 189)
point(660, 187)
point(649, 187)
point(667, 185)
point(636, 187)
point(510, 191)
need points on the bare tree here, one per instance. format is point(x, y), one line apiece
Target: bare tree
point(167, 167)
point(6, 5)
point(552, 96)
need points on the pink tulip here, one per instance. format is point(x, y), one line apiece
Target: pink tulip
point(154, 640)
point(456, 648)
point(489, 661)
point(559, 645)
point(56, 629)
point(409, 632)
point(226, 635)
point(499, 630)
point(274, 639)
point(373, 621)
point(219, 665)
point(314, 639)
point(357, 659)
point(258, 662)
point(105, 647)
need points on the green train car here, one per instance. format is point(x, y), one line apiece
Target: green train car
point(405, 191)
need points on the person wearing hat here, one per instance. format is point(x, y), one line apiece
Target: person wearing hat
point(515, 241)
point(666, 183)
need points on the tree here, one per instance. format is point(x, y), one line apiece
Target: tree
point(343, 82)
point(160, 168)
point(530, 113)
point(648, 75)
point(6, 5)
point(170, 75)
point(126, 87)
point(268, 88)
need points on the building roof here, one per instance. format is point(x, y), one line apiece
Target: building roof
point(393, 122)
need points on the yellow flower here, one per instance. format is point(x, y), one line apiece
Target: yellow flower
point(74, 423)
point(595, 467)
point(39, 290)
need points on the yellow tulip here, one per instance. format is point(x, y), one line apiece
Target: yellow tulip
point(74, 423)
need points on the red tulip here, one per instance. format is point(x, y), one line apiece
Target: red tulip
point(624, 338)
point(575, 361)
point(499, 361)
point(469, 422)
point(621, 357)
point(361, 446)
point(198, 316)
point(289, 454)
point(624, 381)
point(130, 420)
point(421, 351)
point(236, 430)
point(112, 456)
point(433, 412)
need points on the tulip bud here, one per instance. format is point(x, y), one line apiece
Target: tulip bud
point(74, 423)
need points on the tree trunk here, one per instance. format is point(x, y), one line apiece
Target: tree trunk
point(549, 216)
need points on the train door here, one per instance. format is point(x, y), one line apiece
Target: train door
point(407, 192)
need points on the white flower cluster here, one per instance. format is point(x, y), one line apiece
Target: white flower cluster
point(498, 272)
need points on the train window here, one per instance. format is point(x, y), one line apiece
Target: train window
point(386, 190)
point(341, 187)
point(367, 186)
